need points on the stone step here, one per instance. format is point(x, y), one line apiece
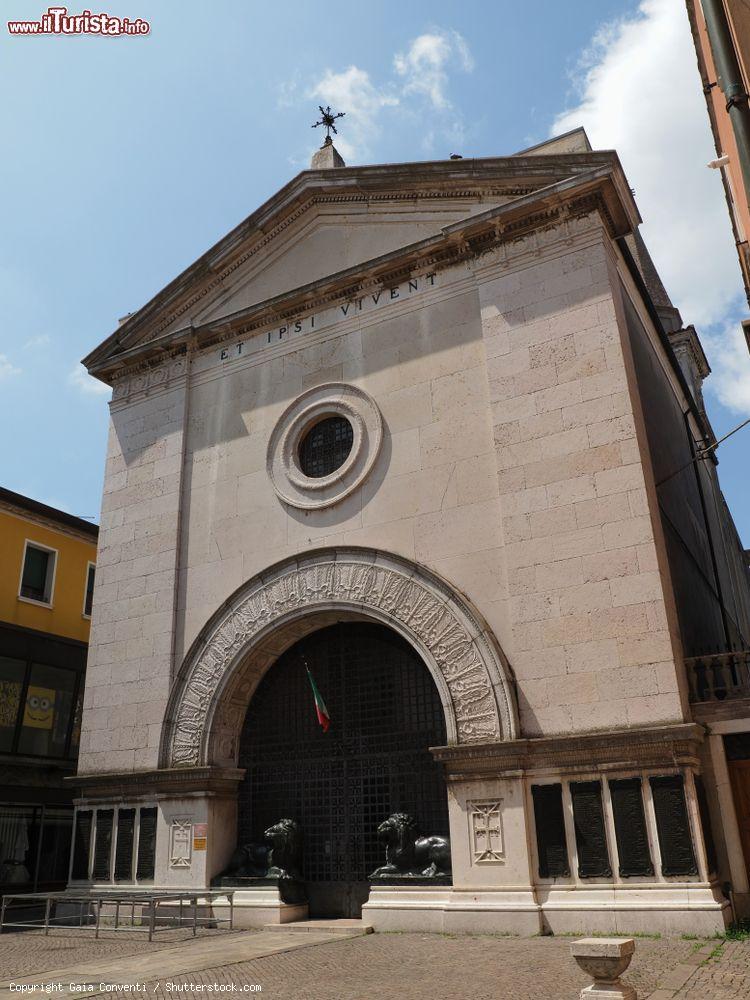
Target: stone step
point(333, 925)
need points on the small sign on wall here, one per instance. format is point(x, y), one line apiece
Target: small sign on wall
point(180, 836)
point(200, 836)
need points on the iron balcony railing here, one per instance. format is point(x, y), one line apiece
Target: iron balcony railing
point(719, 676)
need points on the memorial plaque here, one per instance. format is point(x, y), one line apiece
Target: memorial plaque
point(486, 831)
point(82, 844)
point(124, 845)
point(103, 845)
point(180, 835)
point(552, 846)
point(146, 844)
point(630, 827)
point(591, 836)
point(673, 826)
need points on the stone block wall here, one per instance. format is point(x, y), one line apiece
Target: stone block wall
point(510, 465)
point(589, 637)
point(431, 495)
point(130, 653)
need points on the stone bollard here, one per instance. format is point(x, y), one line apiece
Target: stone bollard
point(605, 959)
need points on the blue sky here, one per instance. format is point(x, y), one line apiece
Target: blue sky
point(128, 157)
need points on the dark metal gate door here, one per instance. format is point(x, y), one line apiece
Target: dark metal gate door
point(374, 760)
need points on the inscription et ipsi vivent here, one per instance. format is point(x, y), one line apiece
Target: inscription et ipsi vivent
point(314, 322)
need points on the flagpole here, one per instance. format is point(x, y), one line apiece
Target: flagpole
point(321, 711)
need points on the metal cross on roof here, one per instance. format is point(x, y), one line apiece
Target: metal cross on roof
point(327, 120)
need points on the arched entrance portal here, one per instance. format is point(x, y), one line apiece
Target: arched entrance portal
point(385, 713)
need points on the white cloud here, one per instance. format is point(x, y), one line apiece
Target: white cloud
point(730, 372)
point(424, 65)
point(416, 97)
point(80, 379)
point(639, 92)
point(39, 341)
point(353, 90)
point(7, 369)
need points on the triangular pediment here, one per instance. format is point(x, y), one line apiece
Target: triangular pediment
point(329, 237)
point(329, 222)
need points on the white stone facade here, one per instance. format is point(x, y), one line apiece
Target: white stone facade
point(503, 519)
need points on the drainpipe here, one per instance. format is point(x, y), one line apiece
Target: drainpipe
point(730, 80)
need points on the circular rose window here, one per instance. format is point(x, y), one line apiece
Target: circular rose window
point(324, 445)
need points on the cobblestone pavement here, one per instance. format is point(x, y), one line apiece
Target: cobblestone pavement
point(397, 966)
point(433, 967)
point(724, 976)
point(24, 953)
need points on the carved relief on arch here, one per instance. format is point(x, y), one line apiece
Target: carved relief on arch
point(289, 600)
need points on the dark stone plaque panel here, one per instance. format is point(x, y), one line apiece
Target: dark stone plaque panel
point(146, 844)
point(124, 845)
point(630, 827)
point(673, 826)
point(591, 836)
point(551, 844)
point(103, 845)
point(82, 844)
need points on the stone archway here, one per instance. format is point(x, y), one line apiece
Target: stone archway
point(279, 606)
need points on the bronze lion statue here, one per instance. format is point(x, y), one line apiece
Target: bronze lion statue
point(280, 856)
point(250, 861)
point(285, 856)
point(408, 855)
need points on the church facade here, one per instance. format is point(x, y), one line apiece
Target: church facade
point(426, 436)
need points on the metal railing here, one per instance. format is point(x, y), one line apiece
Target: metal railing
point(719, 676)
point(102, 910)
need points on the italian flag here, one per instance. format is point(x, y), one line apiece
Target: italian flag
point(320, 706)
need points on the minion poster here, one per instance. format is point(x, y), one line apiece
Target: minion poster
point(39, 710)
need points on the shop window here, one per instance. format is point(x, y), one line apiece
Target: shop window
point(11, 688)
point(34, 846)
point(38, 575)
point(46, 711)
point(19, 837)
point(89, 598)
point(54, 855)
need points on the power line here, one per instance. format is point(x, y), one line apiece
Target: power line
point(703, 453)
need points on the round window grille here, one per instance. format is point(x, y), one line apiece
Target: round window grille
point(323, 445)
point(326, 447)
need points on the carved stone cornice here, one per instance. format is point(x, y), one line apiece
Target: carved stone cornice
point(602, 189)
point(150, 376)
point(158, 782)
point(657, 746)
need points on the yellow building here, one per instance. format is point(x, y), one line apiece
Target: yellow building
point(47, 561)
